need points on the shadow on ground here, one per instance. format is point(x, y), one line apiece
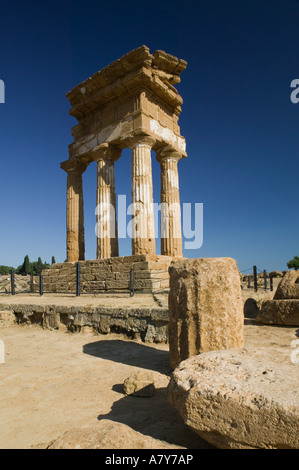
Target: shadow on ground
point(130, 353)
point(151, 416)
point(154, 417)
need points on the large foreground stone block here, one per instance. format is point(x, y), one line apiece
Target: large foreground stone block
point(240, 398)
point(108, 435)
point(205, 307)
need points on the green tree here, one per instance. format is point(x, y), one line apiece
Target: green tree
point(5, 269)
point(293, 263)
point(39, 266)
point(53, 260)
point(25, 268)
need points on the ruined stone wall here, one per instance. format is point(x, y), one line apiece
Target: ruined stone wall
point(110, 274)
point(147, 324)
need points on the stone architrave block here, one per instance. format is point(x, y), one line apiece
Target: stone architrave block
point(205, 307)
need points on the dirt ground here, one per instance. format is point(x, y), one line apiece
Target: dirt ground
point(54, 381)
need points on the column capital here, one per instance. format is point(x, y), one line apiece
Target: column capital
point(73, 165)
point(105, 151)
point(167, 152)
point(139, 140)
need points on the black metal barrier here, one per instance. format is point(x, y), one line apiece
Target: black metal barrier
point(132, 283)
point(38, 287)
point(78, 279)
point(41, 284)
point(12, 282)
point(255, 279)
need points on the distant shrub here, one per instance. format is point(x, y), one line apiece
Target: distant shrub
point(293, 263)
point(5, 269)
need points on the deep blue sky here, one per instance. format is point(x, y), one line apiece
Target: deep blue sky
point(241, 128)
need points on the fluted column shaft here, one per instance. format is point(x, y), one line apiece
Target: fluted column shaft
point(171, 231)
point(143, 236)
point(75, 243)
point(107, 239)
point(105, 155)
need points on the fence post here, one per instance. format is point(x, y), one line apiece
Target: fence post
point(41, 284)
point(77, 279)
point(255, 278)
point(271, 283)
point(12, 282)
point(31, 282)
point(265, 279)
point(132, 282)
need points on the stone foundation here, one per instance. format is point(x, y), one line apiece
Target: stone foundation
point(146, 323)
point(110, 275)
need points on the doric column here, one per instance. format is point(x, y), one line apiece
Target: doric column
point(75, 244)
point(143, 227)
point(171, 231)
point(107, 240)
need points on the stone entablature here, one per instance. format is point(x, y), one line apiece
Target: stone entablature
point(133, 104)
point(132, 96)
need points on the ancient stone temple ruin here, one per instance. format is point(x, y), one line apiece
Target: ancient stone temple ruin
point(132, 103)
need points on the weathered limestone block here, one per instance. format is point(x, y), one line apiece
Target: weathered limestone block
point(88, 277)
point(156, 332)
point(102, 276)
point(122, 276)
point(51, 321)
point(93, 286)
point(100, 269)
point(67, 271)
point(143, 283)
point(164, 284)
point(7, 318)
point(275, 274)
point(140, 384)
point(205, 307)
point(284, 308)
point(108, 434)
point(239, 398)
point(117, 284)
point(279, 312)
point(288, 288)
